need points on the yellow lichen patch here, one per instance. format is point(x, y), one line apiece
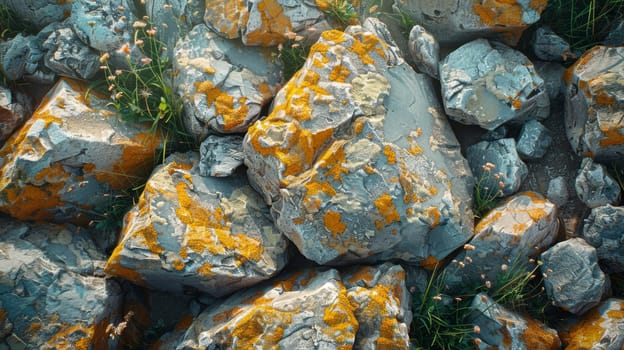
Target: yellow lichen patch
point(333, 160)
point(34, 203)
point(536, 337)
point(537, 214)
point(390, 155)
point(339, 74)
point(387, 210)
point(367, 44)
point(274, 24)
point(333, 222)
point(178, 264)
point(226, 315)
point(76, 337)
point(234, 113)
point(261, 327)
point(499, 12)
point(434, 215)
point(586, 333)
point(519, 227)
point(613, 137)
point(365, 274)
point(334, 36)
point(430, 263)
point(205, 269)
point(114, 267)
point(390, 335)
point(313, 191)
point(488, 220)
point(340, 321)
point(226, 15)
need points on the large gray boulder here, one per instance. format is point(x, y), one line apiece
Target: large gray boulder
point(487, 84)
point(603, 230)
point(572, 277)
point(594, 103)
point(595, 186)
point(66, 55)
point(104, 25)
point(224, 85)
point(358, 160)
point(190, 232)
point(601, 328)
point(39, 13)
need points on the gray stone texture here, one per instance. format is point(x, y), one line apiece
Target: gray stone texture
point(603, 230)
point(533, 141)
point(15, 108)
point(22, 57)
point(549, 46)
point(487, 84)
point(174, 18)
point(558, 191)
point(573, 279)
point(40, 13)
point(552, 73)
point(601, 328)
point(104, 25)
point(425, 51)
point(595, 186)
point(66, 55)
point(220, 155)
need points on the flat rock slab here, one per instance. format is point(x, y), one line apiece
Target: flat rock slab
point(600, 328)
point(190, 232)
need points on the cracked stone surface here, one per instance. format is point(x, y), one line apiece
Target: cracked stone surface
point(603, 230)
point(595, 186)
point(425, 51)
point(40, 13)
point(600, 328)
point(221, 155)
point(533, 141)
point(66, 55)
point(104, 25)
point(15, 108)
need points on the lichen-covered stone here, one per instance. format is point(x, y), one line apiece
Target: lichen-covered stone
point(549, 46)
point(503, 155)
point(104, 25)
point(533, 141)
point(187, 231)
point(600, 328)
point(457, 21)
point(220, 155)
point(15, 108)
point(595, 186)
point(487, 84)
point(223, 84)
point(71, 157)
point(506, 238)
point(594, 103)
point(66, 55)
point(504, 329)
point(425, 51)
point(52, 289)
point(358, 160)
point(39, 13)
point(603, 230)
point(573, 279)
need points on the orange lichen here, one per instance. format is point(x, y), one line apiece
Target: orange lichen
point(538, 338)
point(75, 337)
point(333, 160)
point(365, 274)
point(234, 113)
point(387, 210)
point(488, 220)
point(261, 327)
point(430, 263)
point(34, 203)
point(499, 12)
point(613, 137)
point(390, 155)
point(227, 15)
point(178, 264)
point(537, 214)
point(273, 25)
point(114, 268)
point(205, 269)
point(434, 215)
point(586, 333)
point(333, 222)
point(184, 323)
point(339, 74)
point(340, 321)
point(367, 44)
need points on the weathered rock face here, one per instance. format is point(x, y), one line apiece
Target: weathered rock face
point(549, 46)
point(22, 57)
point(311, 309)
point(456, 21)
point(52, 289)
point(358, 159)
point(15, 108)
point(67, 55)
point(40, 13)
point(603, 230)
point(600, 328)
point(174, 18)
point(71, 157)
point(533, 141)
point(557, 191)
point(504, 329)
point(425, 51)
point(487, 84)
point(208, 234)
point(574, 280)
point(103, 25)
point(220, 155)
point(595, 186)
point(552, 73)
point(594, 103)
point(223, 84)
point(507, 237)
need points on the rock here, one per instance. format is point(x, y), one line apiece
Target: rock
point(503, 155)
point(496, 134)
point(603, 230)
point(67, 55)
point(506, 238)
point(72, 157)
point(174, 18)
point(194, 233)
point(52, 289)
point(223, 84)
point(594, 103)
point(549, 46)
point(616, 35)
point(504, 329)
point(552, 73)
point(367, 309)
point(425, 51)
point(15, 108)
point(573, 279)
point(39, 13)
point(488, 84)
point(558, 191)
point(357, 158)
point(594, 186)
point(103, 25)
point(600, 328)
point(220, 155)
point(454, 22)
point(533, 141)
point(22, 57)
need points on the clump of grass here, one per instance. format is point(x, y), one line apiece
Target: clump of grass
point(343, 12)
point(487, 190)
point(292, 54)
point(11, 25)
point(119, 204)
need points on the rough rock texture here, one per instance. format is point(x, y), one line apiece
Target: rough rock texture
point(603, 230)
point(190, 232)
point(220, 155)
point(600, 328)
point(504, 329)
point(594, 103)
point(533, 141)
point(549, 46)
point(15, 108)
point(503, 155)
point(71, 157)
point(52, 289)
point(558, 191)
point(574, 281)
point(223, 84)
point(496, 134)
point(510, 234)
point(66, 55)
point(174, 18)
point(595, 186)
point(40, 13)
point(425, 51)
point(616, 35)
point(358, 159)
point(311, 309)
point(104, 25)
point(457, 21)
point(22, 57)
point(487, 84)
point(552, 73)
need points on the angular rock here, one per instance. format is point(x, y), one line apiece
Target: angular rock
point(220, 155)
point(67, 55)
point(506, 238)
point(504, 329)
point(552, 73)
point(595, 186)
point(223, 84)
point(189, 232)
point(39, 13)
point(533, 141)
point(15, 108)
point(558, 191)
point(52, 289)
point(594, 103)
point(603, 230)
point(22, 57)
point(425, 51)
point(72, 157)
point(549, 46)
point(488, 84)
point(455, 22)
point(503, 155)
point(174, 18)
point(357, 158)
point(600, 328)
point(103, 25)
point(574, 281)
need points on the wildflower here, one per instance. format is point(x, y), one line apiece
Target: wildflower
point(290, 35)
point(437, 298)
point(458, 299)
point(280, 47)
point(298, 38)
point(549, 270)
point(123, 18)
point(294, 46)
point(469, 259)
point(110, 77)
point(104, 57)
point(501, 184)
point(121, 8)
point(139, 24)
point(146, 60)
point(312, 30)
point(111, 87)
point(165, 25)
point(504, 267)
point(545, 276)
point(469, 247)
point(488, 284)
point(373, 9)
point(125, 49)
point(532, 261)
point(461, 264)
point(482, 276)
point(477, 341)
point(145, 93)
point(118, 95)
point(476, 329)
point(103, 67)
point(167, 6)
point(118, 72)
point(139, 42)
point(151, 32)
point(91, 24)
point(146, 18)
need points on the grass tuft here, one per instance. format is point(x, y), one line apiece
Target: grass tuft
point(487, 190)
point(343, 12)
